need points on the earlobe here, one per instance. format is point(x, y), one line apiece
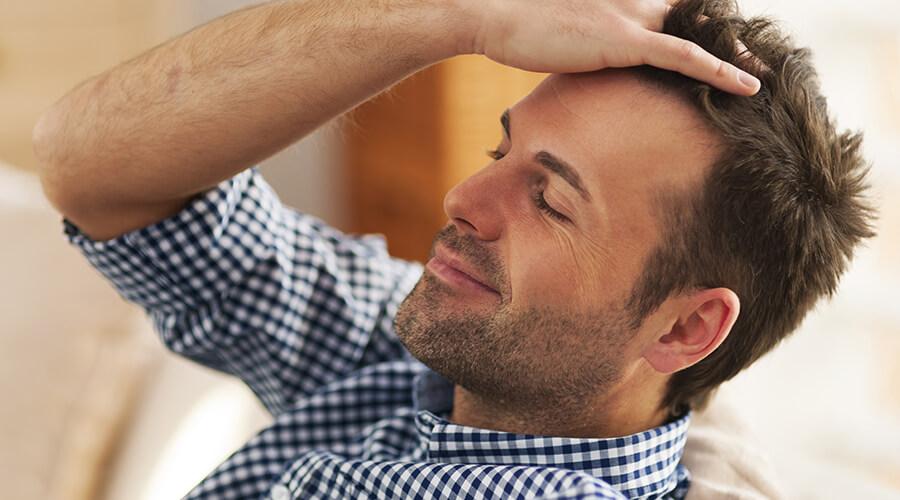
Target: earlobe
point(700, 322)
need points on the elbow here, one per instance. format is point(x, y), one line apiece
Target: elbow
point(53, 163)
point(48, 162)
point(78, 183)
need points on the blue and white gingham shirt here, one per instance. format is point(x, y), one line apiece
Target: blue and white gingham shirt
point(303, 314)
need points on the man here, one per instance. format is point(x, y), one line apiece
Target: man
point(639, 238)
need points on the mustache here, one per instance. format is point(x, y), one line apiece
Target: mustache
point(476, 253)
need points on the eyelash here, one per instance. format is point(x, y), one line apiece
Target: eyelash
point(537, 197)
point(494, 154)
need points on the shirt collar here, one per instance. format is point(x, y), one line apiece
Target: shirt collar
point(642, 465)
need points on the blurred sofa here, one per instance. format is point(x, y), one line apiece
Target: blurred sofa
point(72, 355)
point(90, 400)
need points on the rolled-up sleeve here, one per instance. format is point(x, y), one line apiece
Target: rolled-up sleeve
point(243, 284)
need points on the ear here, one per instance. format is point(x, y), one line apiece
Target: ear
point(700, 322)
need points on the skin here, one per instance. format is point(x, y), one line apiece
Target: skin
point(133, 145)
point(525, 310)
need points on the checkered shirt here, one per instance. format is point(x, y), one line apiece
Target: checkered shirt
point(304, 315)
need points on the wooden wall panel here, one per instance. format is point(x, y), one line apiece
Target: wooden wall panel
point(407, 148)
point(394, 150)
point(476, 91)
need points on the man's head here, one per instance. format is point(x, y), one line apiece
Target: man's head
point(628, 216)
point(558, 229)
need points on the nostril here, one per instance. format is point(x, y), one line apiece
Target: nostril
point(465, 226)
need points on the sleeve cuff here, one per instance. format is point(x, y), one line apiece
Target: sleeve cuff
point(194, 257)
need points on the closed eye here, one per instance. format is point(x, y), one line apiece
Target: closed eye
point(541, 203)
point(494, 154)
point(537, 197)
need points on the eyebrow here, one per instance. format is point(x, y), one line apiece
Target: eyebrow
point(552, 163)
point(562, 169)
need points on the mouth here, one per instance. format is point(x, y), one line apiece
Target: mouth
point(447, 266)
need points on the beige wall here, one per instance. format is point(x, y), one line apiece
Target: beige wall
point(48, 46)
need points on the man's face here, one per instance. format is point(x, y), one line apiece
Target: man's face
point(523, 300)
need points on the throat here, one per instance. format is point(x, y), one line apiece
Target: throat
point(573, 419)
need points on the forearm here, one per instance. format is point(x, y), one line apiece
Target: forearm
point(131, 146)
point(142, 138)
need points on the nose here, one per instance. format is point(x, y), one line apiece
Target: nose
point(474, 206)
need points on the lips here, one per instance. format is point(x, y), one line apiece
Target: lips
point(446, 265)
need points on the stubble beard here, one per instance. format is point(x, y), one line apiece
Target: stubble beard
point(525, 360)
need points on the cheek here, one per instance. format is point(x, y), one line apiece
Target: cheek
point(553, 268)
point(580, 273)
point(597, 267)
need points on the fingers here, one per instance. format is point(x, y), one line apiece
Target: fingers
point(675, 54)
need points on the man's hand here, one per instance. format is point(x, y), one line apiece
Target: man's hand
point(571, 36)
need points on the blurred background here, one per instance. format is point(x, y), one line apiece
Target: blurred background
point(90, 406)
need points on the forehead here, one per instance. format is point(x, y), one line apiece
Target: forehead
point(624, 137)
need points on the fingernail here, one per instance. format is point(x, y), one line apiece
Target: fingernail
point(748, 80)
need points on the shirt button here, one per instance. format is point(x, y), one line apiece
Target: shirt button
point(280, 492)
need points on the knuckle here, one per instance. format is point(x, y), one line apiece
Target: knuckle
point(687, 52)
point(722, 70)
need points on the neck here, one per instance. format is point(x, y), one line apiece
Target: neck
point(624, 410)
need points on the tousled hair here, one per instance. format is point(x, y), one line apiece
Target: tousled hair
point(780, 212)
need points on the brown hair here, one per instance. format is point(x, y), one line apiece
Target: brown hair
point(781, 210)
